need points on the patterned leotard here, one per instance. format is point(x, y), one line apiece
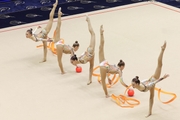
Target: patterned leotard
point(148, 84)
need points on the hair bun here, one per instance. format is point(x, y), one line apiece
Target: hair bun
point(31, 29)
point(121, 61)
point(137, 77)
point(76, 41)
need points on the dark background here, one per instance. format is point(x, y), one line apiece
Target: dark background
point(16, 12)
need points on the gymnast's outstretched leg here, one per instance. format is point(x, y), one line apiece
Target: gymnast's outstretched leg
point(47, 29)
point(59, 48)
point(91, 49)
point(51, 16)
point(156, 76)
point(103, 71)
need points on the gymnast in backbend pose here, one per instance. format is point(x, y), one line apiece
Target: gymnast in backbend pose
point(60, 46)
point(88, 55)
point(43, 35)
point(106, 68)
point(149, 85)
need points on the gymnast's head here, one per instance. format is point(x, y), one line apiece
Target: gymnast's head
point(135, 82)
point(121, 64)
point(76, 46)
point(29, 33)
point(74, 60)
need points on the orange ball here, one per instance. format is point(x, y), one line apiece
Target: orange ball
point(78, 69)
point(130, 92)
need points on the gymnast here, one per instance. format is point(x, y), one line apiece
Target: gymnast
point(106, 68)
point(60, 46)
point(149, 85)
point(88, 55)
point(43, 35)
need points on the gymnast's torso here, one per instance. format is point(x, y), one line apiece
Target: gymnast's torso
point(42, 34)
point(113, 69)
point(67, 49)
point(148, 84)
point(86, 56)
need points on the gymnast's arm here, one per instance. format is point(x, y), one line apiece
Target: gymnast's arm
point(107, 76)
point(152, 84)
point(34, 31)
point(34, 39)
point(72, 52)
point(160, 79)
point(44, 40)
point(121, 80)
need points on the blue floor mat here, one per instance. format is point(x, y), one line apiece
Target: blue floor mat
point(174, 3)
point(17, 12)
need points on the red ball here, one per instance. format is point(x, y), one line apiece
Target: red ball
point(130, 92)
point(78, 69)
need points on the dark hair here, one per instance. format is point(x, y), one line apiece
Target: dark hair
point(74, 57)
point(136, 80)
point(121, 63)
point(30, 31)
point(76, 44)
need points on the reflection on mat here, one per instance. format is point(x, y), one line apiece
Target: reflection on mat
point(99, 7)
point(45, 2)
point(16, 22)
point(63, 14)
point(33, 15)
point(74, 8)
point(137, 0)
point(87, 2)
point(4, 9)
point(6, 16)
point(72, 0)
point(113, 1)
point(31, 7)
point(46, 8)
point(19, 2)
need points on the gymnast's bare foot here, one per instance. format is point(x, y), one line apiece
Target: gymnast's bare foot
point(55, 4)
point(89, 82)
point(63, 72)
point(101, 29)
point(164, 46)
point(87, 18)
point(59, 12)
point(42, 61)
point(107, 96)
point(148, 115)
